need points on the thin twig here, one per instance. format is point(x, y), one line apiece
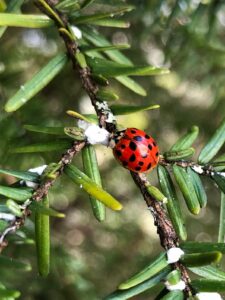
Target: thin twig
point(167, 234)
point(41, 191)
point(204, 170)
point(165, 230)
point(90, 86)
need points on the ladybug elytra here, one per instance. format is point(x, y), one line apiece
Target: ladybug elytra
point(136, 150)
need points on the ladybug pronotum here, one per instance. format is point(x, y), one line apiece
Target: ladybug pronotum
point(136, 150)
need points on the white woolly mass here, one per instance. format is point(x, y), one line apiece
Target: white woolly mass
point(77, 32)
point(198, 169)
point(39, 171)
point(174, 255)
point(179, 286)
point(97, 135)
point(208, 296)
point(7, 217)
point(94, 133)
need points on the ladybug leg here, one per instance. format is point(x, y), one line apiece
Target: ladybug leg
point(143, 177)
point(112, 142)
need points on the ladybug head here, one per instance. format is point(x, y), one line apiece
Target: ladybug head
point(116, 137)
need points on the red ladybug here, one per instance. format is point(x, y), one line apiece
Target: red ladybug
point(136, 150)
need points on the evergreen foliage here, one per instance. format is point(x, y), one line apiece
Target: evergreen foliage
point(70, 60)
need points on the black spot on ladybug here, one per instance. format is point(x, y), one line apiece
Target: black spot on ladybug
point(132, 157)
point(157, 154)
point(144, 155)
point(150, 147)
point(154, 143)
point(133, 131)
point(147, 136)
point(149, 166)
point(118, 153)
point(138, 168)
point(123, 146)
point(141, 163)
point(132, 146)
point(138, 138)
point(125, 163)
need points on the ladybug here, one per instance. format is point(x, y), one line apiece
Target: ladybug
point(136, 150)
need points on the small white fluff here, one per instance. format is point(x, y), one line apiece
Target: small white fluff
point(222, 174)
point(7, 217)
point(97, 135)
point(110, 118)
point(179, 286)
point(39, 171)
point(25, 204)
point(174, 255)
point(77, 32)
point(208, 296)
point(102, 105)
point(31, 184)
point(83, 124)
point(165, 200)
point(198, 169)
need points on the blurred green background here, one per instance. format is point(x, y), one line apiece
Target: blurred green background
point(90, 259)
